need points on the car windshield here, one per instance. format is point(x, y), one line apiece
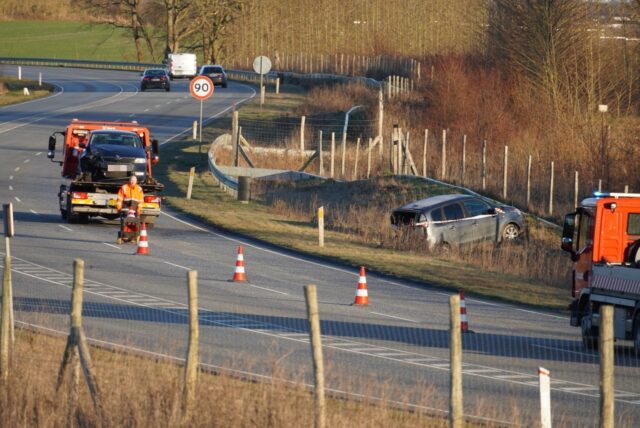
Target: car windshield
point(128, 140)
point(154, 73)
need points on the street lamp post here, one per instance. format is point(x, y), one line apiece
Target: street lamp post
point(604, 150)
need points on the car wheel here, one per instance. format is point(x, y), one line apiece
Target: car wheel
point(142, 88)
point(636, 336)
point(510, 232)
point(224, 85)
point(167, 89)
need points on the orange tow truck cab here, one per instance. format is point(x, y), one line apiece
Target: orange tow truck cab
point(86, 195)
point(603, 238)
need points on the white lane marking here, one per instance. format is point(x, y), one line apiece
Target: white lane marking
point(112, 246)
point(38, 154)
point(17, 199)
point(269, 289)
point(157, 105)
point(27, 160)
point(11, 177)
point(583, 354)
point(65, 228)
point(17, 168)
point(10, 187)
point(146, 109)
point(178, 266)
point(132, 114)
point(395, 317)
point(33, 212)
point(168, 102)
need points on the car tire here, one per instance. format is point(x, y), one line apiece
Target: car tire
point(142, 88)
point(510, 232)
point(224, 85)
point(167, 89)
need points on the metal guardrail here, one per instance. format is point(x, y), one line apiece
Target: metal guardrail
point(227, 183)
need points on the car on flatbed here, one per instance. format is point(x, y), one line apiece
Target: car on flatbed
point(452, 219)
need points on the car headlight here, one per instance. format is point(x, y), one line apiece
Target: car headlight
point(140, 160)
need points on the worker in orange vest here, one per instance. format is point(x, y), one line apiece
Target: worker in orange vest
point(130, 195)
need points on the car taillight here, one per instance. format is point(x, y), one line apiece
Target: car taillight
point(80, 195)
point(152, 199)
point(146, 78)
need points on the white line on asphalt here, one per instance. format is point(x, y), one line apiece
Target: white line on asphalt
point(157, 106)
point(17, 168)
point(146, 109)
point(11, 177)
point(27, 160)
point(269, 289)
point(168, 102)
point(395, 317)
point(34, 212)
point(38, 154)
point(584, 354)
point(17, 199)
point(112, 246)
point(132, 114)
point(65, 228)
point(10, 187)
point(173, 264)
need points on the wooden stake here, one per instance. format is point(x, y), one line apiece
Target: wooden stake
point(320, 157)
point(484, 165)
point(529, 181)
point(505, 173)
point(313, 318)
point(443, 170)
point(369, 159)
point(456, 415)
point(576, 190)
point(191, 367)
point(464, 158)
point(333, 154)
point(192, 174)
point(5, 333)
point(321, 227)
point(302, 125)
point(606, 344)
point(551, 190)
point(424, 152)
point(355, 167)
point(344, 153)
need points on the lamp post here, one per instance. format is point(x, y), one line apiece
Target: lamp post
point(604, 150)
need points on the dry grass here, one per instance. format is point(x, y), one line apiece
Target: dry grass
point(11, 90)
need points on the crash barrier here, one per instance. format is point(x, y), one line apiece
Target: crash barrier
point(420, 355)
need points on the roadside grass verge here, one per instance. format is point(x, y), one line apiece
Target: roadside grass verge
point(141, 391)
point(530, 271)
point(11, 90)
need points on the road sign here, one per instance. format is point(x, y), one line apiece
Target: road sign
point(262, 65)
point(201, 88)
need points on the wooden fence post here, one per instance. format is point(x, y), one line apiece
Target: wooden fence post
point(355, 167)
point(316, 352)
point(443, 171)
point(484, 165)
point(321, 227)
point(505, 173)
point(464, 158)
point(333, 153)
point(424, 152)
point(456, 415)
point(551, 190)
point(576, 190)
point(344, 154)
point(545, 397)
point(5, 333)
point(320, 157)
point(529, 181)
point(380, 114)
point(303, 119)
point(606, 343)
point(191, 367)
point(369, 159)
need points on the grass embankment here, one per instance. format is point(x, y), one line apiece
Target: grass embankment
point(66, 39)
point(12, 90)
point(139, 391)
point(358, 230)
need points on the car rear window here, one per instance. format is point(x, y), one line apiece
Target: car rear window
point(154, 73)
point(453, 212)
point(405, 218)
point(475, 207)
point(209, 70)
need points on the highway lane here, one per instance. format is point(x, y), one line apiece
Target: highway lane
point(395, 348)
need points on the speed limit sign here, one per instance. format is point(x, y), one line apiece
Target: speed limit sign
point(201, 88)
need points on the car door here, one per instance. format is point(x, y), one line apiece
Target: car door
point(451, 229)
point(482, 218)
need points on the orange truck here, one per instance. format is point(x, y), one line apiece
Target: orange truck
point(98, 158)
point(603, 238)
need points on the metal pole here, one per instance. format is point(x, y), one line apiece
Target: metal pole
point(200, 130)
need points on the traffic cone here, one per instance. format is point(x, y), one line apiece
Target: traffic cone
point(143, 244)
point(464, 323)
point(239, 274)
point(362, 295)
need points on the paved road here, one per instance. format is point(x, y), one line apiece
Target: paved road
point(395, 350)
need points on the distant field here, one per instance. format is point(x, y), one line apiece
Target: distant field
point(65, 39)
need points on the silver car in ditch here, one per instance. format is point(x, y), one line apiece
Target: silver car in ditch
point(458, 219)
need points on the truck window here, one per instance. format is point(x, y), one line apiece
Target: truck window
point(633, 224)
point(585, 226)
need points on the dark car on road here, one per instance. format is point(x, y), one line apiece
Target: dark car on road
point(155, 78)
point(458, 219)
point(216, 73)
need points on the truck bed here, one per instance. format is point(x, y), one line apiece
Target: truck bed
point(618, 279)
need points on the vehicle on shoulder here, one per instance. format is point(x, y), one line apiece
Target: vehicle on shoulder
point(454, 219)
point(216, 73)
point(155, 78)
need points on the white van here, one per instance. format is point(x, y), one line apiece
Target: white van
point(182, 65)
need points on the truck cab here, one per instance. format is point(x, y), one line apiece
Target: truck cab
point(603, 238)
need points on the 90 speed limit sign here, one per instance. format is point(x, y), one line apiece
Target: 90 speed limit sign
point(201, 88)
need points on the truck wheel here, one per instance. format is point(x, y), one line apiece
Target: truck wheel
point(589, 333)
point(69, 215)
point(636, 336)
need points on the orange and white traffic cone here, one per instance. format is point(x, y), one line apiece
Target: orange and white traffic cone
point(239, 274)
point(464, 323)
point(362, 295)
point(143, 244)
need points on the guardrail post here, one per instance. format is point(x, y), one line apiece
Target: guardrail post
point(321, 227)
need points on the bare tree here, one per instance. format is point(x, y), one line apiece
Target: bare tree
point(211, 23)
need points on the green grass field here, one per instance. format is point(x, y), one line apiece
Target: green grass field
point(65, 39)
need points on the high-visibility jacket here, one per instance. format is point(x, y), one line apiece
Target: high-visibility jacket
point(130, 195)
